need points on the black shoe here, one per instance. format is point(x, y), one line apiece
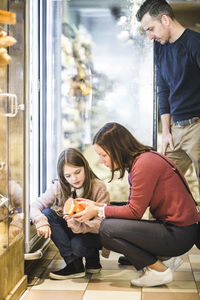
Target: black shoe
point(73, 270)
point(124, 261)
point(93, 265)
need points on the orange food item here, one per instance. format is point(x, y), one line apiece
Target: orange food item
point(72, 206)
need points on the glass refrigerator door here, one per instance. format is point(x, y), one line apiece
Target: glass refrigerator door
point(43, 25)
point(107, 76)
point(107, 73)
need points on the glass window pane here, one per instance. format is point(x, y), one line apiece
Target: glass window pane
point(107, 75)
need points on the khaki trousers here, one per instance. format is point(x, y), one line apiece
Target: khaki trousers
point(186, 148)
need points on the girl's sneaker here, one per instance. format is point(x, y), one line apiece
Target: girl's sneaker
point(73, 270)
point(92, 265)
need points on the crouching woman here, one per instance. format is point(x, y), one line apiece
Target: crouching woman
point(155, 182)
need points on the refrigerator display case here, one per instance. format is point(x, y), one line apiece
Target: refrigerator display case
point(107, 75)
point(11, 150)
point(79, 75)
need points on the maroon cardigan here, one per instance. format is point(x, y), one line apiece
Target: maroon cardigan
point(154, 183)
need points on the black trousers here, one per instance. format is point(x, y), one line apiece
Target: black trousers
point(71, 245)
point(142, 241)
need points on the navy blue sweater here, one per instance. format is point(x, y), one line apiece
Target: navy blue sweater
point(178, 76)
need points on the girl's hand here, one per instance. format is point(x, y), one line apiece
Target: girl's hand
point(70, 220)
point(71, 223)
point(67, 217)
point(44, 231)
point(88, 213)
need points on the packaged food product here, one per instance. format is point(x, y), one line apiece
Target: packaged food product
point(73, 206)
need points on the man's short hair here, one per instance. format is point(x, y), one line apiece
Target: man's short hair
point(155, 8)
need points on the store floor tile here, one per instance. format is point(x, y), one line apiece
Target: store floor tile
point(113, 282)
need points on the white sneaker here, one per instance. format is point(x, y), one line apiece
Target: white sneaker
point(153, 278)
point(173, 263)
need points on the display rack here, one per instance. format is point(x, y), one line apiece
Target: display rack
point(76, 88)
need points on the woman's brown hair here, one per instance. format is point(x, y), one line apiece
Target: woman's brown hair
point(120, 145)
point(75, 158)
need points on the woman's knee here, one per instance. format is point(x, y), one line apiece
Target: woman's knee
point(107, 228)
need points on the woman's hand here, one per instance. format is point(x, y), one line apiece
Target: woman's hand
point(44, 231)
point(88, 213)
point(86, 202)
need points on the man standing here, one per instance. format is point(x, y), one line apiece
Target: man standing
point(177, 59)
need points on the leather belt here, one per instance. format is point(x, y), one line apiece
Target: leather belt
point(186, 122)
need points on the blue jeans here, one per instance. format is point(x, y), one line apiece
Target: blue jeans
point(71, 245)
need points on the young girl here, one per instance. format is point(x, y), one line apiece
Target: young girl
point(155, 182)
point(74, 240)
